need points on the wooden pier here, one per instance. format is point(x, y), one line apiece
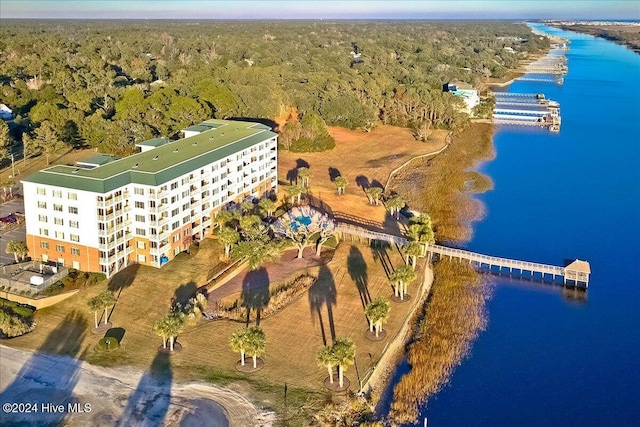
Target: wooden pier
point(575, 274)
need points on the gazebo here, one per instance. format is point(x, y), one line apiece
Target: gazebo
point(578, 271)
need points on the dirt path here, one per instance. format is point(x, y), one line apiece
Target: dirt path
point(107, 397)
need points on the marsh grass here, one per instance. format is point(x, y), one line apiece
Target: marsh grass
point(452, 318)
point(441, 186)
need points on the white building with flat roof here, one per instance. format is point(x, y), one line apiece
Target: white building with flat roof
point(105, 213)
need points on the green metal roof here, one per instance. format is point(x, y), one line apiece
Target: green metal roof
point(98, 160)
point(162, 164)
point(202, 127)
point(154, 142)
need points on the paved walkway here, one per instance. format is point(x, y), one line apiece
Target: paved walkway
point(19, 233)
point(269, 273)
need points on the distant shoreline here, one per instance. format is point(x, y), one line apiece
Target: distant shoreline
point(627, 36)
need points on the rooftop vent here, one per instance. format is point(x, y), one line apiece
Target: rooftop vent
point(136, 165)
point(195, 143)
point(175, 151)
point(75, 170)
point(155, 158)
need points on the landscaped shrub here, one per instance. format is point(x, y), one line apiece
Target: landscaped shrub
point(54, 289)
point(15, 319)
point(108, 343)
point(279, 297)
point(97, 277)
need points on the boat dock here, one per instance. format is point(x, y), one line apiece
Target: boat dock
point(526, 109)
point(574, 274)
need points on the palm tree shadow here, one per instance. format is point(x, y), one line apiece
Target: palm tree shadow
point(381, 253)
point(37, 385)
point(184, 293)
point(323, 293)
point(149, 402)
point(255, 292)
point(123, 279)
point(333, 173)
point(357, 268)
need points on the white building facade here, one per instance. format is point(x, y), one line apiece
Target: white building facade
point(150, 206)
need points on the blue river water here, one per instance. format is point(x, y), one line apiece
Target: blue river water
point(545, 359)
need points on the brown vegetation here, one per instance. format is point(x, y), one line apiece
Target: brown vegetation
point(453, 317)
point(441, 186)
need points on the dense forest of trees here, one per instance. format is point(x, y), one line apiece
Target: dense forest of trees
point(109, 84)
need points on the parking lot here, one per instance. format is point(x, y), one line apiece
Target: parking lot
point(17, 233)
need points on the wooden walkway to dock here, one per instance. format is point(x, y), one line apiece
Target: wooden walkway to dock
point(577, 272)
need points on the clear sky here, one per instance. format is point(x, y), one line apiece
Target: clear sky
point(327, 9)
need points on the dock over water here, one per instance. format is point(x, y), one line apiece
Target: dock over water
point(575, 273)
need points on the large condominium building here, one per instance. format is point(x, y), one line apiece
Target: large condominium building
point(105, 213)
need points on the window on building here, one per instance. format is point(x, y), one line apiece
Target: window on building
point(141, 231)
point(58, 221)
point(73, 210)
point(139, 205)
point(72, 196)
point(57, 208)
point(57, 193)
point(42, 205)
point(76, 265)
point(174, 199)
point(174, 185)
point(175, 212)
point(140, 218)
point(185, 207)
point(74, 224)
point(42, 218)
point(60, 248)
point(175, 225)
point(139, 191)
point(59, 235)
point(44, 232)
point(223, 163)
point(74, 237)
point(75, 251)
point(61, 261)
point(185, 194)
point(142, 245)
point(41, 191)
point(176, 238)
point(185, 220)
point(142, 258)
point(44, 245)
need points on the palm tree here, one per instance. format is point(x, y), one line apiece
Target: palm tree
point(160, 328)
point(412, 251)
point(327, 359)
point(267, 205)
point(375, 192)
point(95, 305)
point(344, 351)
point(224, 217)
point(107, 300)
point(341, 184)
point(257, 252)
point(173, 325)
point(17, 248)
point(377, 311)
point(228, 237)
point(239, 342)
point(394, 204)
point(256, 343)
point(247, 206)
point(295, 192)
point(304, 174)
point(401, 279)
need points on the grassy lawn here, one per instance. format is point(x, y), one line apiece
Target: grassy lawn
point(363, 158)
point(332, 306)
